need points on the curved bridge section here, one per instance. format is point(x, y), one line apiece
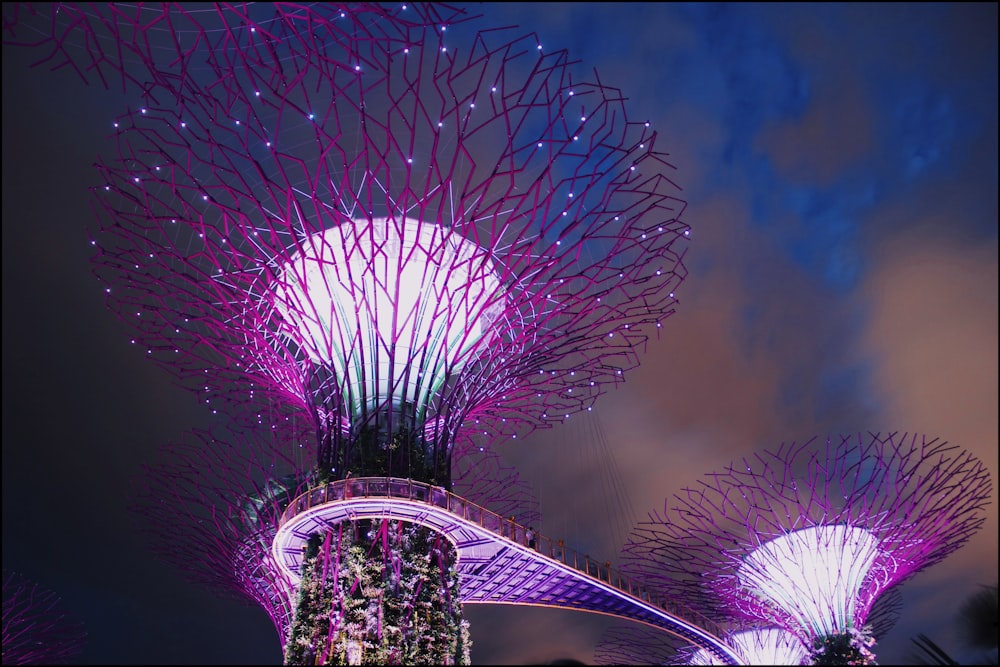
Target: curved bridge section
point(495, 563)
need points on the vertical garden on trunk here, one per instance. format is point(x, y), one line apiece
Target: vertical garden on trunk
point(379, 592)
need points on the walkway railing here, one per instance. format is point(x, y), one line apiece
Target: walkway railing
point(392, 487)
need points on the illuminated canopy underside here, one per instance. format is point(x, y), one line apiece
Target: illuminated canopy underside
point(807, 537)
point(273, 151)
point(767, 646)
point(813, 574)
point(393, 307)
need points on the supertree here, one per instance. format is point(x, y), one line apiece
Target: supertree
point(641, 645)
point(211, 505)
point(756, 645)
point(376, 220)
point(807, 537)
point(37, 628)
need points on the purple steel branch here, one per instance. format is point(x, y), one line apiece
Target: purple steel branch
point(478, 474)
point(885, 612)
point(641, 645)
point(268, 139)
point(907, 501)
point(635, 644)
point(211, 508)
point(37, 629)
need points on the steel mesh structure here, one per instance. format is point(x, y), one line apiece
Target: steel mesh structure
point(37, 628)
point(807, 537)
point(640, 645)
point(383, 226)
point(210, 507)
point(378, 216)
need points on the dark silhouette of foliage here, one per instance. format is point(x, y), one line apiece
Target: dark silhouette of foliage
point(929, 653)
point(976, 624)
point(977, 620)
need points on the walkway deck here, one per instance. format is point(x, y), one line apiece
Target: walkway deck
point(494, 562)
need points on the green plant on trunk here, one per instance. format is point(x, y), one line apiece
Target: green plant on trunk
point(375, 452)
point(847, 648)
point(378, 592)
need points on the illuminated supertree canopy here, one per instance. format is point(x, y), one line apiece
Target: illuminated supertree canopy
point(385, 219)
point(382, 222)
point(640, 645)
point(759, 646)
point(37, 628)
point(807, 537)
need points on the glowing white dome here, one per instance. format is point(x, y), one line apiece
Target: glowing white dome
point(766, 646)
point(813, 574)
point(393, 307)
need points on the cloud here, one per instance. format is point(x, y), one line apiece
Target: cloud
point(934, 331)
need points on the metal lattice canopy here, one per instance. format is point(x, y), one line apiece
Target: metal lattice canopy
point(37, 627)
point(639, 645)
point(383, 216)
point(809, 536)
point(757, 645)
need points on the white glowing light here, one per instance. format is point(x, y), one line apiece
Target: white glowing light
point(766, 646)
point(392, 307)
point(813, 574)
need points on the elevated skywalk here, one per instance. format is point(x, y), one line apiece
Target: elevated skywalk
point(495, 563)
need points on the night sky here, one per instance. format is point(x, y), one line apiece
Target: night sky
point(840, 168)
